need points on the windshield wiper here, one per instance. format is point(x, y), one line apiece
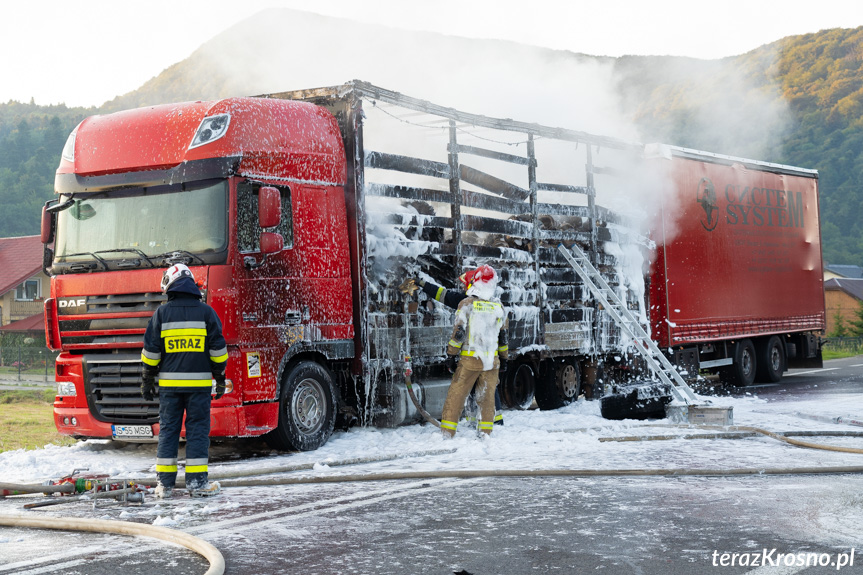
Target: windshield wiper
point(180, 256)
point(85, 265)
point(123, 263)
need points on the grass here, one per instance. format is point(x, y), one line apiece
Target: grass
point(27, 420)
point(35, 370)
point(838, 353)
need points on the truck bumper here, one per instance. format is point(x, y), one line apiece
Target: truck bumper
point(225, 421)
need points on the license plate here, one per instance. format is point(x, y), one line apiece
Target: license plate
point(132, 430)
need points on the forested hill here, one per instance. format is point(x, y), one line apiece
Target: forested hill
point(796, 101)
point(31, 139)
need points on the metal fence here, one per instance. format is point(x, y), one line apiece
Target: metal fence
point(22, 363)
point(843, 344)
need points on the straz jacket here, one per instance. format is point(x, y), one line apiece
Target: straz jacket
point(184, 339)
point(480, 331)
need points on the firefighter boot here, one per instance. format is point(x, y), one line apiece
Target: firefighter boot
point(162, 491)
point(207, 490)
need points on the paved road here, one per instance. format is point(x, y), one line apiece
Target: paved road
point(637, 525)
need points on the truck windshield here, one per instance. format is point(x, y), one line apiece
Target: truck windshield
point(127, 224)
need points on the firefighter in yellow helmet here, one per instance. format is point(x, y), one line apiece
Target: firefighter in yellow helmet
point(479, 341)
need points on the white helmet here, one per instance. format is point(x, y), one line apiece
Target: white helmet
point(174, 273)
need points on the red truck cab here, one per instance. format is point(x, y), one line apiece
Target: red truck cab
point(194, 183)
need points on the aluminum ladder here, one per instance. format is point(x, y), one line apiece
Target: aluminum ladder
point(605, 295)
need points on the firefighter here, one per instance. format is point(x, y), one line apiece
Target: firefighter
point(451, 298)
point(184, 346)
point(479, 339)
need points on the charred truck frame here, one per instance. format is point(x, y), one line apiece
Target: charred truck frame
point(300, 213)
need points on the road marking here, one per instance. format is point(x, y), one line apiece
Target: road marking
point(856, 365)
point(776, 570)
point(358, 499)
point(813, 371)
point(317, 507)
point(15, 567)
point(50, 568)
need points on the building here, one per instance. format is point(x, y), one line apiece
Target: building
point(843, 298)
point(23, 286)
point(842, 271)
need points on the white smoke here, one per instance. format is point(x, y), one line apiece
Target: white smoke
point(281, 50)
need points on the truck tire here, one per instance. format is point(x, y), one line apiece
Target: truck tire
point(742, 371)
point(307, 409)
point(562, 388)
point(771, 360)
point(630, 402)
point(519, 387)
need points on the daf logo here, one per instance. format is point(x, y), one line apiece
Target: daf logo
point(72, 305)
point(705, 195)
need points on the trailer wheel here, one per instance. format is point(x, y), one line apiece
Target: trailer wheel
point(519, 387)
point(771, 360)
point(307, 409)
point(742, 371)
point(561, 389)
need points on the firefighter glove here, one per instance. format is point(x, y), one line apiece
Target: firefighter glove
point(411, 285)
point(220, 385)
point(148, 382)
point(503, 365)
point(148, 386)
point(451, 362)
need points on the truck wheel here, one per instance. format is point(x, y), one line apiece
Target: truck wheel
point(771, 360)
point(742, 371)
point(307, 409)
point(519, 387)
point(561, 389)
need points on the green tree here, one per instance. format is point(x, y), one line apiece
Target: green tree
point(856, 326)
point(839, 327)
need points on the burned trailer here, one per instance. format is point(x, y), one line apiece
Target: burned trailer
point(310, 208)
point(433, 192)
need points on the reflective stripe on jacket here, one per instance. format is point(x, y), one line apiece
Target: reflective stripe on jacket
point(184, 339)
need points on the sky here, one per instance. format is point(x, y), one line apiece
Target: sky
point(86, 53)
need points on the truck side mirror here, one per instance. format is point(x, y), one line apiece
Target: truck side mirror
point(269, 207)
point(47, 230)
point(271, 243)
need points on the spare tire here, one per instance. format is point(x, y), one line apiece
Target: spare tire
point(641, 401)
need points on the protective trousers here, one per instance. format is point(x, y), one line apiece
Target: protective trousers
point(196, 406)
point(468, 372)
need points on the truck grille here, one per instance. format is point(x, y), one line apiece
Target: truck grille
point(116, 320)
point(114, 389)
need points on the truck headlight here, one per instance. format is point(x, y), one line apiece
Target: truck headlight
point(229, 387)
point(211, 129)
point(66, 389)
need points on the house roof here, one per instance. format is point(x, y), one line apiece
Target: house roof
point(20, 259)
point(33, 323)
point(853, 287)
point(846, 271)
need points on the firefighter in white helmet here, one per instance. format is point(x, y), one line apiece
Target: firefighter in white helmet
point(184, 346)
point(451, 298)
point(479, 340)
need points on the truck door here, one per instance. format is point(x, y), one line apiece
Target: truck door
point(268, 317)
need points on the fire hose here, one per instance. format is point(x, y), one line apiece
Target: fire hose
point(199, 546)
point(740, 431)
point(409, 370)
